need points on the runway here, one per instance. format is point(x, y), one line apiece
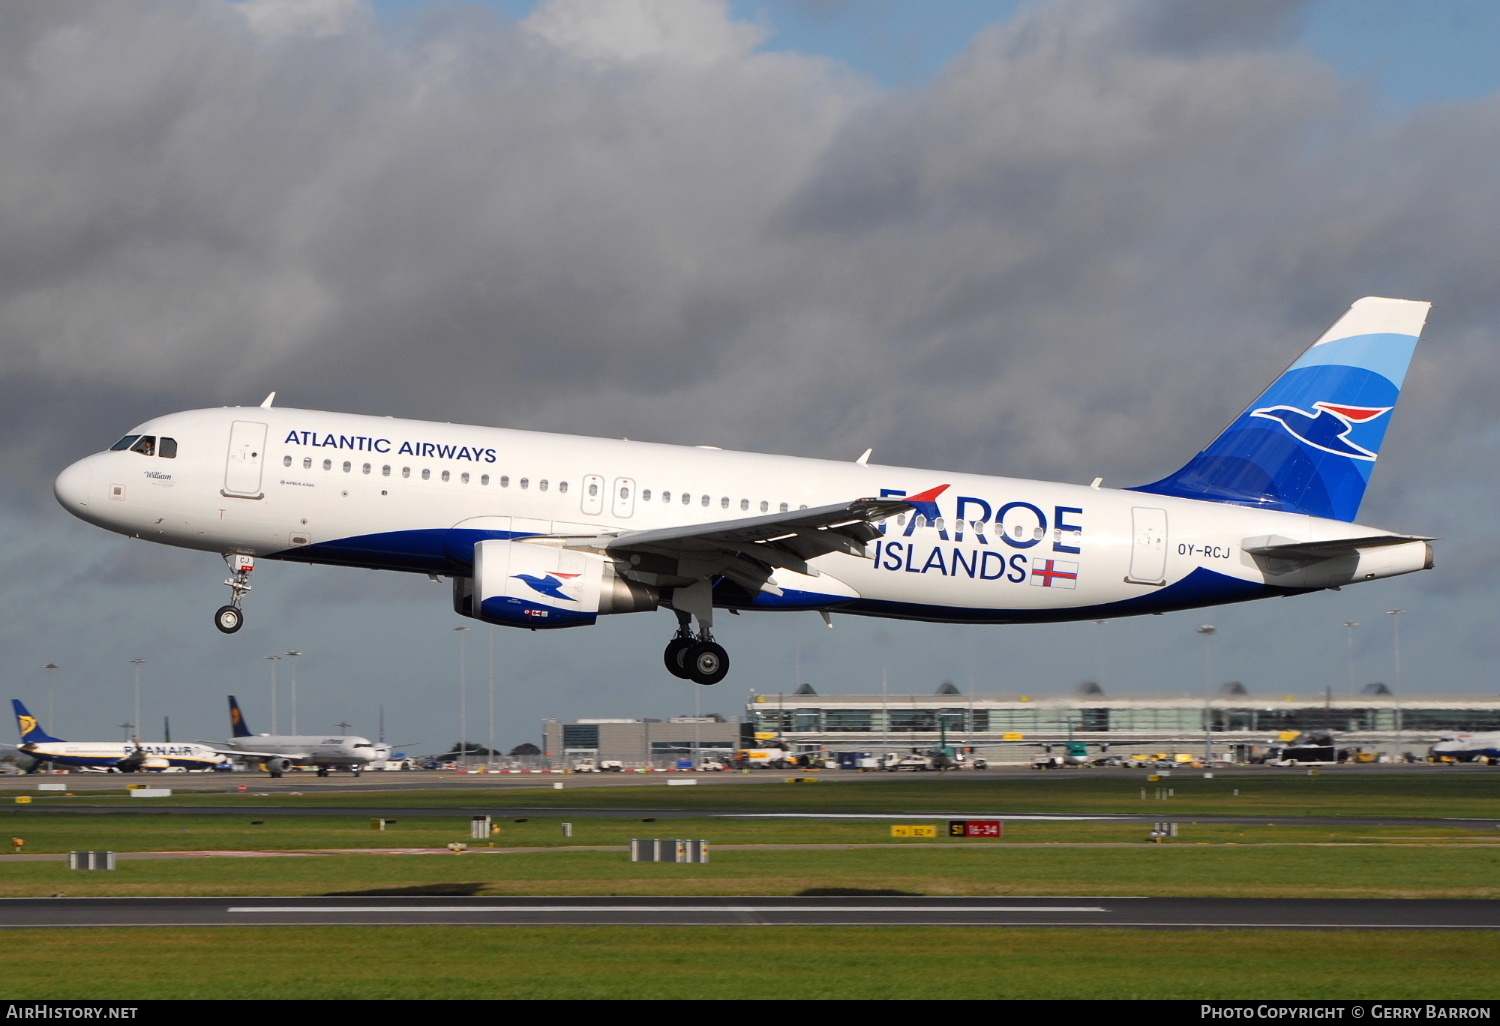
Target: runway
point(843, 910)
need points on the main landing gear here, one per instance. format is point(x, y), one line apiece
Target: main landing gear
point(695, 657)
point(230, 618)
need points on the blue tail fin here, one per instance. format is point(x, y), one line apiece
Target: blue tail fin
point(237, 720)
point(1309, 443)
point(31, 730)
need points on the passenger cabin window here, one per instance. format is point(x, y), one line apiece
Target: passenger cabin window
point(593, 490)
point(705, 501)
point(385, 471)
point(504, 480)
point(524, 482)
point(542, 484)
point(124, 443)
point(406, 472)
point(687, 500)
point(744, 504)
point(484, 479)
point(348, 466)
point(764, 506)
point(168, 449)
point(286, 461)
point(365, 469)
point(464, 477)
point(445, 475)
point(426, 474)
point(328, 464)
point(724, 502)
point(562, 487)
point(307, 463)
point(646, 495)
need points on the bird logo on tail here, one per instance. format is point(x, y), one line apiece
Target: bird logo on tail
point(1328, 428)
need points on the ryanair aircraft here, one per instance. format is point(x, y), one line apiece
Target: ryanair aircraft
point(119, 756)
point(547, 531)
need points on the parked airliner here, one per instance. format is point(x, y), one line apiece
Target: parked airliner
point(1477, 747)
point(547, 531)
point(280, 752)
point(121, 756)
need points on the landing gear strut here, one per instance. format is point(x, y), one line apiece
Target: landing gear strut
point(695, 657)
point(230, 618)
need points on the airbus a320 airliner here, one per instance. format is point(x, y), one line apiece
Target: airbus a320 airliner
point(547, 531)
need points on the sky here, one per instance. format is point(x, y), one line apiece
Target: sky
point(1059, 239)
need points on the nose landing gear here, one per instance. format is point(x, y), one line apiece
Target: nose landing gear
point(230, 618)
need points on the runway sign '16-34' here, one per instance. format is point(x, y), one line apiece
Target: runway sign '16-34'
point(975, 828)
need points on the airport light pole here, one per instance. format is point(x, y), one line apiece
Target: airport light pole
point(1395, 615)
point(490, 759)
point(1349, 635)
point(1099, 654)
point(1208, 630)
point(274, 659)
point(138, 663)
point(50, 668)
point(292, 654)
point(463, 700)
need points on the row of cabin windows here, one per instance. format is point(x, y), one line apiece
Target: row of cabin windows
point(147, 445)
point(464, 477)
point(504, 482)
point(687, 499)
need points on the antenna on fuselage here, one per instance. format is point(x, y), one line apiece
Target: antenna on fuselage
point(269, 399)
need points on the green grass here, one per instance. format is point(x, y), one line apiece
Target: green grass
point(57, 831)
point(787, 857)
point(1361, 792)
point(1158, 870)
point(787, 963)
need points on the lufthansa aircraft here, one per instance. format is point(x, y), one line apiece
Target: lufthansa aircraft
point(547, 531)
point(120, 756)
point(280, 752)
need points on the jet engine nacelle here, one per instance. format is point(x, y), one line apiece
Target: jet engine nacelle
point(276, 767)
point(543, 587)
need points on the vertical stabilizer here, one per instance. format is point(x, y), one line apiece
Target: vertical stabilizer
point(237, 720)
point(1309, 443)
point(31, 730)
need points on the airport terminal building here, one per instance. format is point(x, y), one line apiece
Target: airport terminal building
point(1242, 724)
point(1239, 721)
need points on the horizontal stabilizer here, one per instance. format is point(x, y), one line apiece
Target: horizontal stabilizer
point(1336, 562)
point(1332, 549)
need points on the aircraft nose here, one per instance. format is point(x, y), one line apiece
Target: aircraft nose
point(72, 487)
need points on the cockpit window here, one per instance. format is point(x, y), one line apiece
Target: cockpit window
point(124, 443)
point(145, 445)
point(168, 448)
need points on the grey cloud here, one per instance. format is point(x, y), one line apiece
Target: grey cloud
point(1079, 251)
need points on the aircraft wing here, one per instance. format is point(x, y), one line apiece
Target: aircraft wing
point(748, 550)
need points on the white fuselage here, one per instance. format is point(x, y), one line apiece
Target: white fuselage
point(1467, 747)
point(415, 496)
point(154, 755)
point(341, 752)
